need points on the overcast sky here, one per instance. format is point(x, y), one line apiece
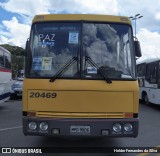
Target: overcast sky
point(16, 17)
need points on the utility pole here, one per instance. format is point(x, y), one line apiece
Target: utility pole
point(135, 17)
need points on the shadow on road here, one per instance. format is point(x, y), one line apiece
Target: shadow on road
point(81, 146)
point(79, 142)
point(2, 108)
point(151, 105)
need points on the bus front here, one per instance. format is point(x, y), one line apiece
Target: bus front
point(80, 77)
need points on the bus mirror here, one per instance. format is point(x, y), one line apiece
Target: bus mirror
point(137, 48)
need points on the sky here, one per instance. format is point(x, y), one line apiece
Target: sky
point(16, 17)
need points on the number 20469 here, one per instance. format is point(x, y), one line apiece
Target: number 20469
point(42, 95)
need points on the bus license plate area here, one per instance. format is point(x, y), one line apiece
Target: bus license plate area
point(81, 130)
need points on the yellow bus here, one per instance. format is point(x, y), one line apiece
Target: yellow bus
point(80, 77)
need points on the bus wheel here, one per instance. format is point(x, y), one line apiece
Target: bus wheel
point(146, 100)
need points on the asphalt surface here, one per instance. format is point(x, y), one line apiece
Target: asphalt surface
point(11, 134)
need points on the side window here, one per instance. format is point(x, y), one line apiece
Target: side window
point(159, 72)
point(141, 69)
point(1, 59)
point(151, 73)
point(148, 72)
point(138, 69)
point(154, 73)
point(7, 58)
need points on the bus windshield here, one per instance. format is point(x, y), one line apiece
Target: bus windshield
point(108, 45)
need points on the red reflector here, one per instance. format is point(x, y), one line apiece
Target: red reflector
point(31, 114)
point(128, 115)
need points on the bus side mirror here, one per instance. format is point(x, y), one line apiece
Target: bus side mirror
point(27, 47)
point(137, 48)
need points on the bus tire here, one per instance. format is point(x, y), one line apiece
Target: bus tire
point(146, 99)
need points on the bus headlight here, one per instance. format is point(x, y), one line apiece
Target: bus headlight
point(32, 125)
point(43, 126)
point(117, 127)
point(128, 127)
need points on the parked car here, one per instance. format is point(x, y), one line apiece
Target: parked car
point(16, 90)
point(20, 78)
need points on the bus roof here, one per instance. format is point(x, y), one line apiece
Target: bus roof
point(148, 60)
point(76, 17)
point(1, 48)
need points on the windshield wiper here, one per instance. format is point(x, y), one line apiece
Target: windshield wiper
point(91, 62)
point(63, 69)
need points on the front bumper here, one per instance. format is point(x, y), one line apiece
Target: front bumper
point(98, 127)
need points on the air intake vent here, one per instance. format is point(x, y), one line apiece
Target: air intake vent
point(79, 115)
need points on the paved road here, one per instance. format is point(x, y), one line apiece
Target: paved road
point(11, 134)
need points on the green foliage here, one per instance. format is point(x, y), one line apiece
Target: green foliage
point(15, 50)
point(17, 58)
